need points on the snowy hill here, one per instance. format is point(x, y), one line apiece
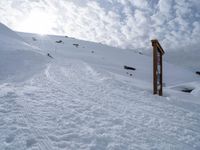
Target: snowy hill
point(18, 59)
point(83, 98)
point(108, 58)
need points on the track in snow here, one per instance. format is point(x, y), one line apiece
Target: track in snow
point(72, 106)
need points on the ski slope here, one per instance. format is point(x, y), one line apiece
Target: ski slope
point(83, 98)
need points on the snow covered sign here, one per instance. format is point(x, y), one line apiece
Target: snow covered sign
point(157, 67)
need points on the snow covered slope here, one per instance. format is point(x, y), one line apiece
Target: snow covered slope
point(189, 59)
point(84, 99)
point(109, 58)
point(18, 59)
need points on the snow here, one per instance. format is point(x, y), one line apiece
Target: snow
point(86, 100)
point(18, 57)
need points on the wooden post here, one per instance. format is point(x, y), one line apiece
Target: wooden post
point(157, 67)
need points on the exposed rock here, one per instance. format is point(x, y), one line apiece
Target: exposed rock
point(76, 45)
point(34, 39)
point(198, 72)
point(129, 68)
point(49, 55)
point(60, 41)
point(187, 90)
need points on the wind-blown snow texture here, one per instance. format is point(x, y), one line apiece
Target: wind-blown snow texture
point(84, 99)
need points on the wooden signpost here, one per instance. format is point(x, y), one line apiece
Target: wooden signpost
point(158, 52)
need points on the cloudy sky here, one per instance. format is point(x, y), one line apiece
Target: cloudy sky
point(121, 23)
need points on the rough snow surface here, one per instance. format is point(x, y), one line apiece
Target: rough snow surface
point(87, 101)
point(70, 106)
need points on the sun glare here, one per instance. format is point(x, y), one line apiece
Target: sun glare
point(37, 22)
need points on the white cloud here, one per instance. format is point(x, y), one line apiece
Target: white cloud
point(123, 23)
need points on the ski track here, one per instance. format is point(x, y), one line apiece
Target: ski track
point(72, 106)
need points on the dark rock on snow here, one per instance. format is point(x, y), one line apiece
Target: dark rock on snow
point(49, 55)
point(76, 45)
point(60, 41)
point(198, 72)
point(129, 68)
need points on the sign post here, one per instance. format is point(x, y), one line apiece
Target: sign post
point(158, 52)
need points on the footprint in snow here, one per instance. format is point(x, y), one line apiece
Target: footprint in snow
point(10, 138)
point(10, 95)
point(30, 142)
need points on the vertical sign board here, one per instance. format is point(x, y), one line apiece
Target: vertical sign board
point(157, 67)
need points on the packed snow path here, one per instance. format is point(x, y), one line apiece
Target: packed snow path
point(71, 106)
